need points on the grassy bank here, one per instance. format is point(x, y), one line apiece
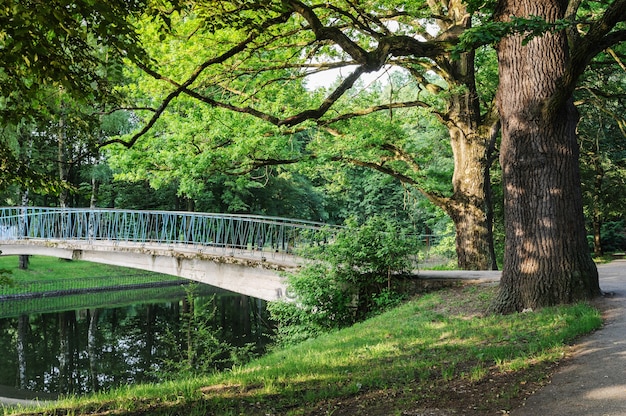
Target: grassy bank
point(437, 351)
point(50, 274)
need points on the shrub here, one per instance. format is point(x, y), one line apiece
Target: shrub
point(614, 236)
point(5, 278)
point(346, 281)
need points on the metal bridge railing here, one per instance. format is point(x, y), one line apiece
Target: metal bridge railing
point(242, 232)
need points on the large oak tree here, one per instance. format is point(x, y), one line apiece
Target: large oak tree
point(547, 258)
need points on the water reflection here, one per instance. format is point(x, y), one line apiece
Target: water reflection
point(90, 349)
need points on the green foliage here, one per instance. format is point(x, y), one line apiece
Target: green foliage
point(5, 278)
point(601, 132)
point(446, 245)
point(61, 44)
point(490, 33)
point(322, 303)
point(348, 280)
point(614, 236)
point(17, 172)
point(486, 75)
point(387, 299)
point(368, 253)
point(485, 7)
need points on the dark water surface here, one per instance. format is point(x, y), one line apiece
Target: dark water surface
point(91, 342)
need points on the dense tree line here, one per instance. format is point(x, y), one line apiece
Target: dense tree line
point(214, 88)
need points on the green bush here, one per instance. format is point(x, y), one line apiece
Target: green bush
point(614, 236)
point(348, 279)
point(446, 247)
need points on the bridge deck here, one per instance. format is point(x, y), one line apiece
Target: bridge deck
point(252, 273)
point(241, 253)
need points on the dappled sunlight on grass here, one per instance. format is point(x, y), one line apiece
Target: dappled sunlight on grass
point(387, 348)
point(417, 348)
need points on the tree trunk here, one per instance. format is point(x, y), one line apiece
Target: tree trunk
point(473, 239)
point(598, 251)
point(62, 163)
point(597, 214)
point(469, 205)
point(95, 186)
point(24, 260)
point(547, 260)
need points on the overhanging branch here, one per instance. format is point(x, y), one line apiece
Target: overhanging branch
point(180, 88)
point(387, 44)
point(585, 48)
point(435, 198)
point(373, 109)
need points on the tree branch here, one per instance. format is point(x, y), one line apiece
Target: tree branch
point(600, 93)
point(355, 21)
point(616, 57)
point(109, 112)
point(598, 38)
point(328, 33)
point(373, 109)
point(345, 85)
point(435, 198)
point(610, 40)
point(599, 104)
point(367, 61)
point(180, 88)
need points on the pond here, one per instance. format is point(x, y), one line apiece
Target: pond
point(91, 342)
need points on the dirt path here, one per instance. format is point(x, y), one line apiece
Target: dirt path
point(593, 382)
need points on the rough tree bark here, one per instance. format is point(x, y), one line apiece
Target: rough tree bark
point(470, 138)
point(547, 260)
point(469, 205)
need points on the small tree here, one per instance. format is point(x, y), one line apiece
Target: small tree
point(347, 280)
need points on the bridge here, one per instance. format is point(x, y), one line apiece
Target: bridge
point(241, 253)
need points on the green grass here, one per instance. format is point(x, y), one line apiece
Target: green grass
point(424, 353)
point(46, 274)
point(606, 258)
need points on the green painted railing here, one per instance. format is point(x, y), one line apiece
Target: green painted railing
point(245, 232)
